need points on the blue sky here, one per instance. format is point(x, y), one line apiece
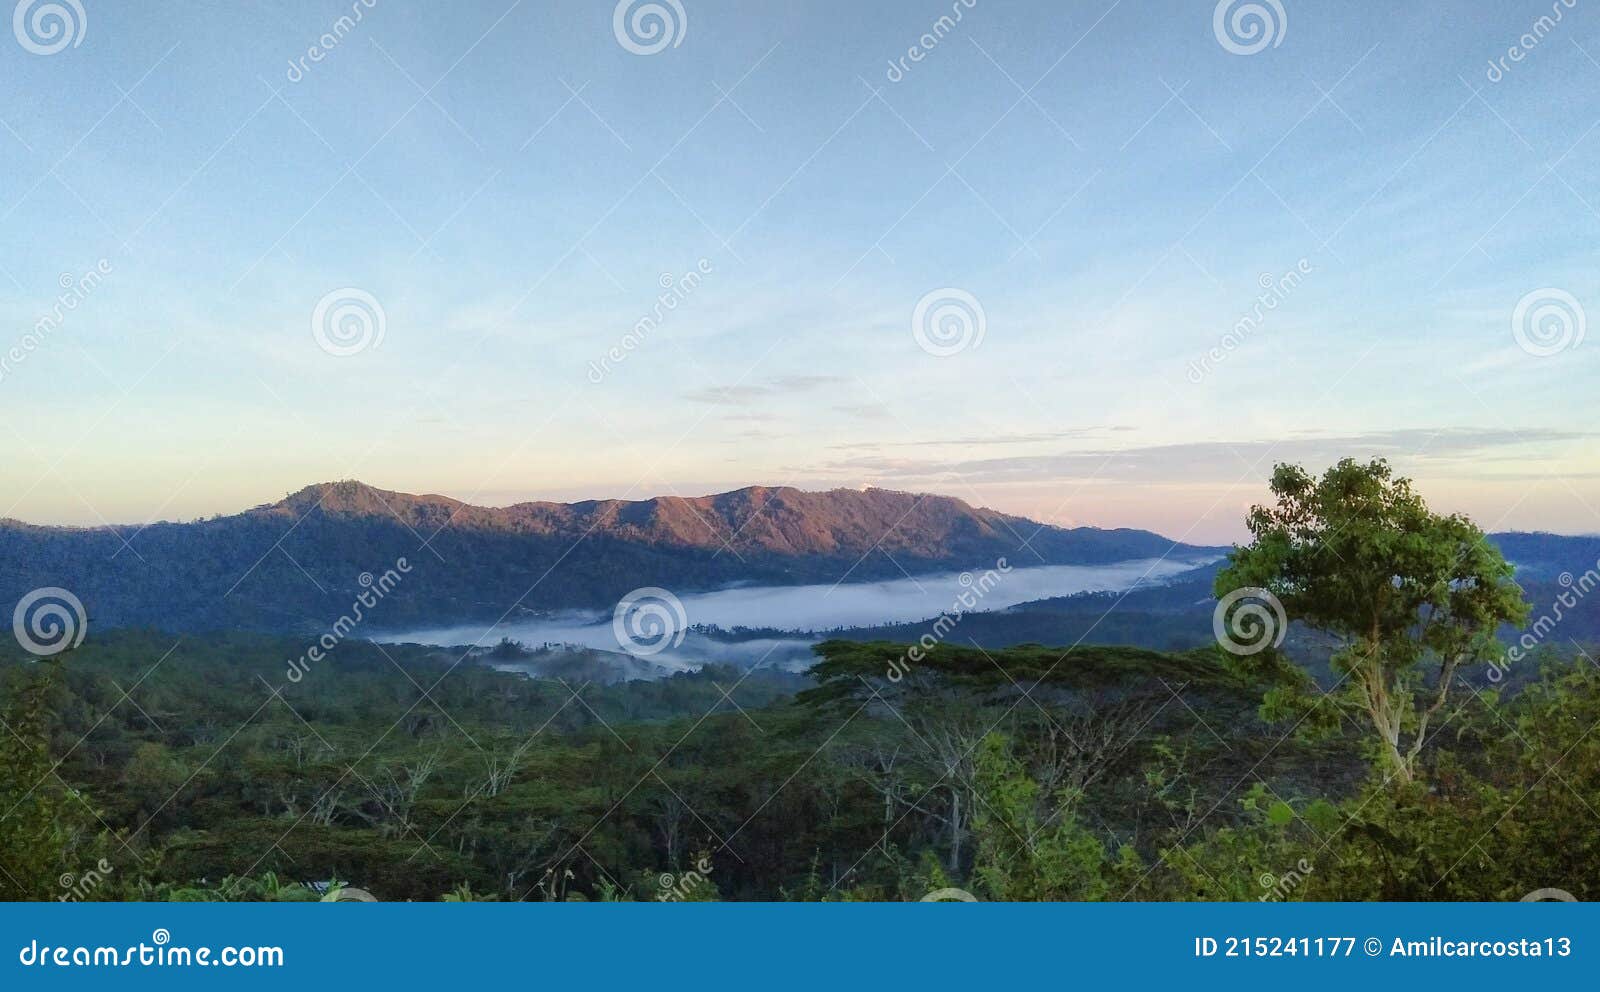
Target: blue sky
point(513, 186)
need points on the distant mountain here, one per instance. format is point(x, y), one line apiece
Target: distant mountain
point(300, 563)
point(1545, 557)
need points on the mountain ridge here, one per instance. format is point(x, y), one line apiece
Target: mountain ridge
point(670, 519)
point(294, 564)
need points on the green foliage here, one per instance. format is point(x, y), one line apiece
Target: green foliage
point(1082, 775)
point(267, 887)
point(1030, 847)
point(44, 839)
point(464, 893)
point(1358, 555)
point(1083, 668)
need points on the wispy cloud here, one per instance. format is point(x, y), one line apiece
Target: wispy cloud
point(1222, 461)
point(865, 411)
point(747, 394)
point(983, 440)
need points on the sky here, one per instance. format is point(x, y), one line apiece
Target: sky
point(1096, 263)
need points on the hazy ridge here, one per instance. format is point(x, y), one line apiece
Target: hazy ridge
point(296, 563)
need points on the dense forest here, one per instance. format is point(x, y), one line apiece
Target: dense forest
point(1404, 761)
point(1122, 774)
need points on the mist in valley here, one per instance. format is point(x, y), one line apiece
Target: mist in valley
point(743, 626)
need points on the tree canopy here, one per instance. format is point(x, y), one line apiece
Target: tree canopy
point(1410, 595)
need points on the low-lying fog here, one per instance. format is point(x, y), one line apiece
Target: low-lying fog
point(804, 610)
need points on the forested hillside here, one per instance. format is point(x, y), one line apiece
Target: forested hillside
point(1356, 729)
point(291, 565)
point(1104, 773)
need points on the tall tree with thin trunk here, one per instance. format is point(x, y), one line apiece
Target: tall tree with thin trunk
point(1412, 596)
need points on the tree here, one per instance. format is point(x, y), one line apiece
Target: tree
point(1072, 713)
point(36, 821)
point(1031, 847)
point(1405, 591)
